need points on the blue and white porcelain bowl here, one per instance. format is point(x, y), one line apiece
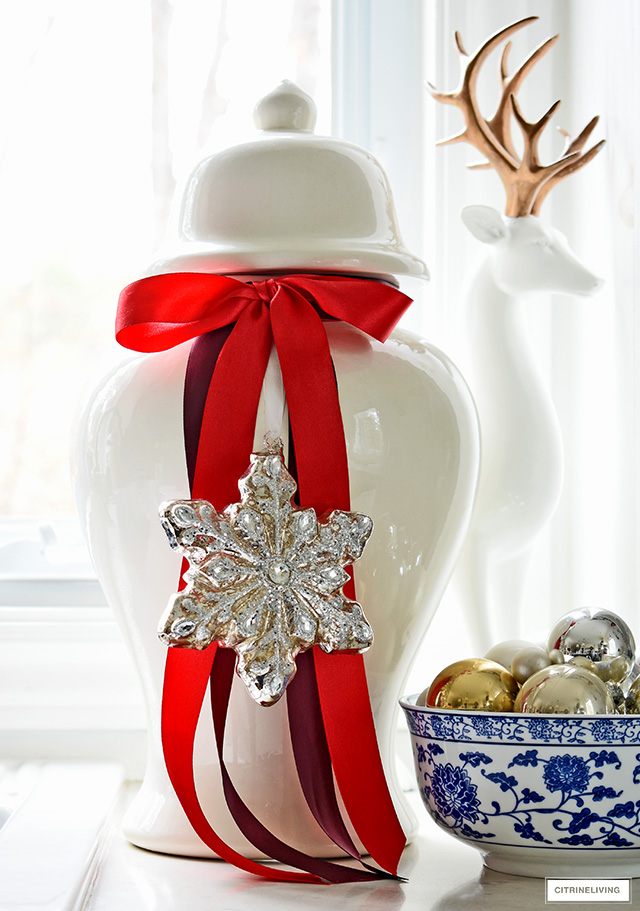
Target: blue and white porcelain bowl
point(537, 795)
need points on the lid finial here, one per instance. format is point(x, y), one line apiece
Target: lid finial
point(286, 109)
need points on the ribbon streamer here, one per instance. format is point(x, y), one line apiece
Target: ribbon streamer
point(161, 311)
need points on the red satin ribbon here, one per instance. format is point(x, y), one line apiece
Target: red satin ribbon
point(162, 311)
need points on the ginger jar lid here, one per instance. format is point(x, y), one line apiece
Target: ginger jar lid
point(289, 200)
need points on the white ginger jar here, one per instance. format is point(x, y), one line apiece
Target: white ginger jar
point(288, 201)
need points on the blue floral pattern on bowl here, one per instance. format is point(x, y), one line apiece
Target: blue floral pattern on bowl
point(471, 726)
point(565, 787)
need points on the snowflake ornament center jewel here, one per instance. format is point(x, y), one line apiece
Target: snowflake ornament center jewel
point(265, 577)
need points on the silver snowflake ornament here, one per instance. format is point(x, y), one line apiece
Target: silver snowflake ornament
point(265, 577)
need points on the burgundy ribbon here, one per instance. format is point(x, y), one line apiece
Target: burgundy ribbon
point(161, 311)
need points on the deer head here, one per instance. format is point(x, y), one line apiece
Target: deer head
point(528, 256)
point(526, 180)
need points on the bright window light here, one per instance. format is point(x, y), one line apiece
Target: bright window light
point(106, 110)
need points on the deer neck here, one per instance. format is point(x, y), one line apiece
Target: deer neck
point(504, 371)
point(498, 326)
point(521, 439)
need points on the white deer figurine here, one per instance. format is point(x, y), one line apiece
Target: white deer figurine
point(522, 450)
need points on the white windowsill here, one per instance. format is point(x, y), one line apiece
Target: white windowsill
point(54, 819)
point(68, 689)
point(63, 850)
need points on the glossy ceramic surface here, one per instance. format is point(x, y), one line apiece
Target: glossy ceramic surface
point(413, 454)
point(289, 200)
point(522, 449)
point(537, 795)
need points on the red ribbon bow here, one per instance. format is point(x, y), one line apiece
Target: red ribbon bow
point(162, 311)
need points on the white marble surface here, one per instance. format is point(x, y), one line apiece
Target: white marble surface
point(442, 875)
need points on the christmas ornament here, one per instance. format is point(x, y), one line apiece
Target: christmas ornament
point(503, 652)
point(581, 661)
point(556, 656)
point(587, 668)
point(598, 635)
point(632, 701)
point(527, 661)
point(631, 678)
point(265, 578)
point(618, 697)
point(475, 684)
point(564, 689)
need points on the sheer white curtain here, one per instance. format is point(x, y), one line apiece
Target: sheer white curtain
point(597, 389)
point(106, 108)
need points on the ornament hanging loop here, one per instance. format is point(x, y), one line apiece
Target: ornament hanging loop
point(275, 400)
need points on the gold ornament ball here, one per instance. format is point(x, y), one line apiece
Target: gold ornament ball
point(528, 661)
point(565, 689)
point(474, 684)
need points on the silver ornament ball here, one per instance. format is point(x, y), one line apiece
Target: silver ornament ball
point(556, 656)
point(617, 694)
point(564, 689)
point(599, 636)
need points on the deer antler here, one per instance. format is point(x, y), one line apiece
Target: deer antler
point(500, 122)
point(526, 180)
point(572, 163)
